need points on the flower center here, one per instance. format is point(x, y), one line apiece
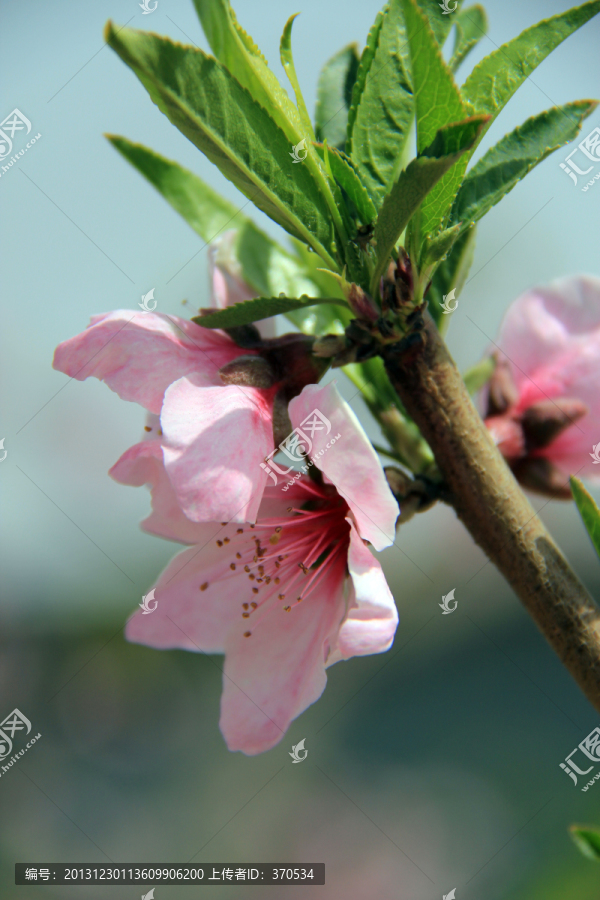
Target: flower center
point(287, 558)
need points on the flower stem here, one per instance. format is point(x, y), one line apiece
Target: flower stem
point(493, 508)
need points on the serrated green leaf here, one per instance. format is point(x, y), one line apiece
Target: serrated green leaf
point(451, 274)
point(587, 840)
point(471, 26)
point(382, 104)
point(438, 103)
point(495, 79)
point(588, 510)
point(437, 248)
point(287, 61)
point(440, 23)
point(478, 375)
point(364, 67)
point(334, 96)
point(215, 113)
point(415, 183)
point(236, 50)
point(259, 308)
point(502, 167)
point(348, 178)
point(437, 98)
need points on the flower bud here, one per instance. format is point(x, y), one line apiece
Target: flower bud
point(541, 476)
point(502, 390)
point(546, 382)
point(362, 304)
point(545, 421)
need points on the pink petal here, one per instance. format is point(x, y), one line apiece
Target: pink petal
point(186, 616)
point(546, 322)
point(570, 453)
point(273, 675)
point(372, 618)
point(143, 464)
point(214, 440)
point(350, 462)
point(139, 355)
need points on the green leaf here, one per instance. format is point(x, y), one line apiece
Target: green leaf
point(451, 274)
point(437, 248)
point(495, 79)
point(415, 182)
point(364, 67)
point(382, 104)
point(257, 309)
point(438, 103)
point(334, 95)
point(479, 374)
point(471, 26)
point(236, 50)
point(588, 510)
point(287, 61)
point(347, 177)
point(437, 98)
point(440, 23)
point(587, 840)
point(502, 167)
point(212, 110)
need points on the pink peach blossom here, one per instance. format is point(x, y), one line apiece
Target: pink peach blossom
point(543, 402)
point(283, 598)
point(171, 367)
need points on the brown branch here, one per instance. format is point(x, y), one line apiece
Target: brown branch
point(492, 506)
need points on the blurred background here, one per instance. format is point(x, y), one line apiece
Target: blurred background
point(433, 767)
